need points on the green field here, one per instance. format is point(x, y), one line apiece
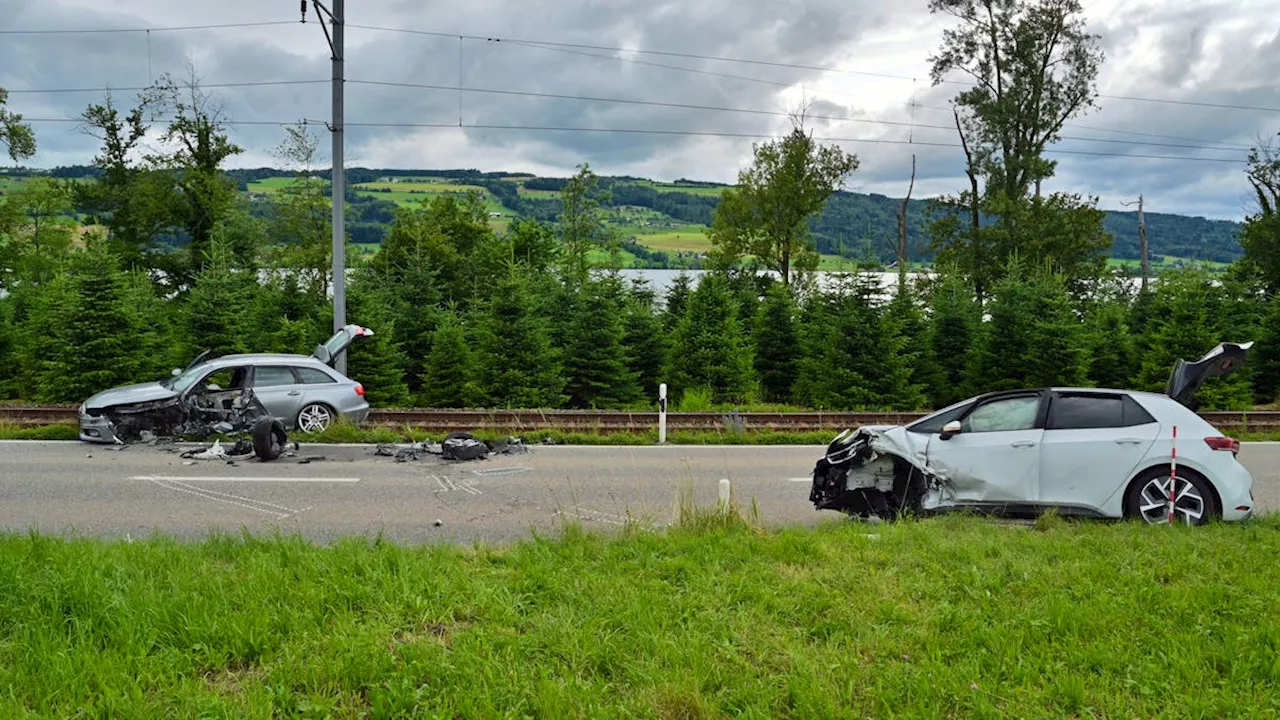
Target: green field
point(954, 617)
point(676, 241)
point(1167, 263)
point(675, 187)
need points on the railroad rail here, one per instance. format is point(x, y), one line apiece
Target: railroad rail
point(594, 421)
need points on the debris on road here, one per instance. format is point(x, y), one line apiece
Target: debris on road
point(458, 446)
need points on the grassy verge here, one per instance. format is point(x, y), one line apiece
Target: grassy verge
point(351, 434)
point(946, 618)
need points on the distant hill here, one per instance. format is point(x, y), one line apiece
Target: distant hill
point(663, 223)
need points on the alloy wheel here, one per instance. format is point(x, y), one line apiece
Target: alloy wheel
point(1188, 505)
point(314, 419)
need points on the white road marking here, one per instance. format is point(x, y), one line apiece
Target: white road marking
point(468, 487)
point(440, 482)
point(800, 480)
point(233, 497)
point(277, 515)
point(236, 478)
point(494, 472)
point(590, 515)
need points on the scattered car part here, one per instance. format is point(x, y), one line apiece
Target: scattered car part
point(463, 446)
point(269, 438)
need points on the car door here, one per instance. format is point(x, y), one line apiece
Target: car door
point(995, 458)
point(279, 391)
point(1092, 443)
point(341, 340)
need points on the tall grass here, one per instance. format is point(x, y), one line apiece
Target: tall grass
point(954, 617)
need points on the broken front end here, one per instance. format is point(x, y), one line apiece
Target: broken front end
point(197, 415)
point(865, 473)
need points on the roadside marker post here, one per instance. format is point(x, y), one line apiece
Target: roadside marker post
point(662, 413)
point(1173, 477)
point(726, 493)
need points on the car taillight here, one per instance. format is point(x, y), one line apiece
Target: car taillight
point(359, 389)
point(1223, 443)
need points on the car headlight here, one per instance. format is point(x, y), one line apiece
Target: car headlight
point(81, 409)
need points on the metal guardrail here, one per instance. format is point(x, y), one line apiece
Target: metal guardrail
point(435, 420)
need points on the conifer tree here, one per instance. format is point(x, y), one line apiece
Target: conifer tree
point(595, 359)
point(777, 344)
point(376, 362)
point(710, 348)
point(1113, 353)
point(449, 378)
point(644, 339)
point(518, 364)
point(954, 325)
point(216, 310)
point(677, 298)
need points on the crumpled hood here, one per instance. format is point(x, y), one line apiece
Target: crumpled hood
point(130, 394)
point(895, 440)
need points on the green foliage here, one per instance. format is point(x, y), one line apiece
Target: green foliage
point(10, 375)
point(1265, 358)
point(854, 357)
point(15, 135)
point(518, 364)
point(1113, 350)
point(1261, 235)
point(709, 345)
point(596, 366)
point(767, 214)
point(644, 339)
point(777, 346)
point(215, 315)
point(533, 244)
point(955, 321)
point(89, 329)
point(449, 379)
point(1033, 339)
point(376, 362)
point(677, 300)
point(1185, 322)
point(581, 224)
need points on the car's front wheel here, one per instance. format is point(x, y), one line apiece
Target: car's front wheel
point(315, 418)
point(1193, 500)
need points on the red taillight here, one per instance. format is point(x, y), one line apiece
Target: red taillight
point(1223, 443)
point(359, 389)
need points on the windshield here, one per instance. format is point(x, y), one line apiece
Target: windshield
point(186, 379)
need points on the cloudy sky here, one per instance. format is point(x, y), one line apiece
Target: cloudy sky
point(1199, 51)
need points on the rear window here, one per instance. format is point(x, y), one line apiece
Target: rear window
point(312, 376)
point(273, 377)
point(1091, 410)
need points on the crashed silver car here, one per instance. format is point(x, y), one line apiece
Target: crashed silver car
point(261, 394)
point(1081, 451)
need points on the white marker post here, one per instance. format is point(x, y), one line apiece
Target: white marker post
point(662, 413)
point(726, 494)
point(1173, 478)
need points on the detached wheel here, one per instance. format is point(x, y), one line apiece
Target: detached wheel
point(269, 438)
point(1148, 498)
point(315, 418)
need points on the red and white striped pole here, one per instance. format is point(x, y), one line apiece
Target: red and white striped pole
point(1173, 477)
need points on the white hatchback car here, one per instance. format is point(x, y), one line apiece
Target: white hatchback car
point(1083, 451)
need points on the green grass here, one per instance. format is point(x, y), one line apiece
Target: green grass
point(345, 433)
point(675, 241)
point(714, 618)
point(62, 431)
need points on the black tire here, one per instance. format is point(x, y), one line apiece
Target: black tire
point(1194, 492)
point(269, 438)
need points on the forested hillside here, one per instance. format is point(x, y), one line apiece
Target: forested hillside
point(662, 224)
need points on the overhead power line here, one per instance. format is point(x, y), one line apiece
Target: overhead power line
point(768, 63)
point(174, 28)
point(256, 83)
point(658, 131)
point(748, 111)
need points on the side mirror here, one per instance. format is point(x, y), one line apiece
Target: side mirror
point(950, 430)
point(176, 372)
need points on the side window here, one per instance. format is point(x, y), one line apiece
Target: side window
point(933, 425)
point(1015, 413)
point(1135, 414)
point(1080, 412)
point(226, 379)
point(265, 377)
point(312, 376)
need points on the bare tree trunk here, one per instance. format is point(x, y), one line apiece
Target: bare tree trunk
point(974, 215)
point(902, 229)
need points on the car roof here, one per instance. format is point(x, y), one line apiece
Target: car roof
point(262, 359)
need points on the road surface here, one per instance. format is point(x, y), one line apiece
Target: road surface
point(72, 488)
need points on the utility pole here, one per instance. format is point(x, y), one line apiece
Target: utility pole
point(1142, 244)
point(338, 184)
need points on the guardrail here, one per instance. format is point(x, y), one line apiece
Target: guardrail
point(516, 421)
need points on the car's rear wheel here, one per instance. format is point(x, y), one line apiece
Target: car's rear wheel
point(315, 418)
point(1193, 500)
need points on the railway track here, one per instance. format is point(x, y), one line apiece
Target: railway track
point(593, 421)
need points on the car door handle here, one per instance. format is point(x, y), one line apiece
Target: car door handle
point(295, 392)
point(1024, 443)
point(1128, 441)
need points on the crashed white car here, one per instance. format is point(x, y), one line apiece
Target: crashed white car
point(1082, 451)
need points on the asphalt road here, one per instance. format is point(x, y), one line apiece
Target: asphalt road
point(72, 488)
